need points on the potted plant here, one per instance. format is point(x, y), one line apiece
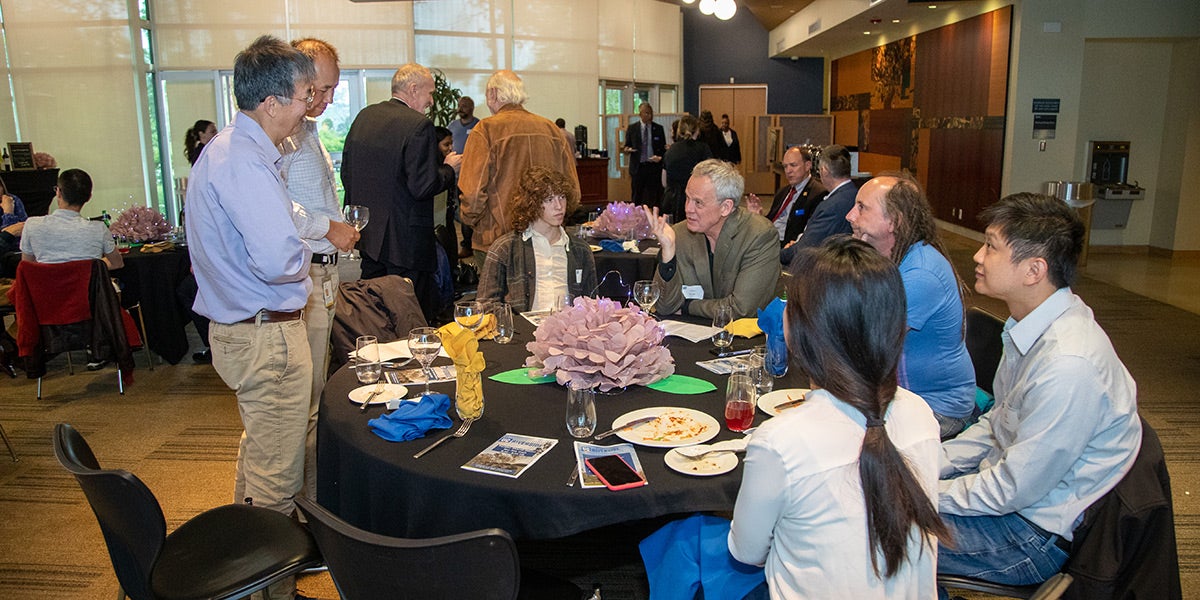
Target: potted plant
point(445, 100)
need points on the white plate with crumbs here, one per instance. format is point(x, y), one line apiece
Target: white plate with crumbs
point(390, 390)
point(769, 401)
point(674, 427)
point(717, 463)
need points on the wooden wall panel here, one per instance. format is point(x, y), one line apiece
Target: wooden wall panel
point(953, 69)
point(964, 173)
point(998, 82)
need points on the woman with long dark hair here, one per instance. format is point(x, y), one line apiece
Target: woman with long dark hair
point(196, 137)
point(836, 497)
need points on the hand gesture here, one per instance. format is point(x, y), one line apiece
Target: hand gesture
point(454, 159)
point(662, 232)
point(754, 204)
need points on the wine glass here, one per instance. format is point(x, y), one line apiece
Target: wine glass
point(468, 314)
point(646, 293)
point(724, 315)
point(367, 367)
point(356, 217)
point(425, 344)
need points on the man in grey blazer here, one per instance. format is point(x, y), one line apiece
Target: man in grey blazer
point(722, 253)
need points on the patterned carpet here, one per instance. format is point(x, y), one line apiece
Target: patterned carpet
point(177, 428)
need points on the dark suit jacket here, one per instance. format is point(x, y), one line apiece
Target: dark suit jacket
point(633, 139)
point(802, 207)
point(829, 217)
point(391, 164)
point(729, 152)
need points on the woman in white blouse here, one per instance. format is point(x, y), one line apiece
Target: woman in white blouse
point(836, 497)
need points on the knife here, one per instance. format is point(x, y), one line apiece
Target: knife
point(629, 425)
point(789, 404)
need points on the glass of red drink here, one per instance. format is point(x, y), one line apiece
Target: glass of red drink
point(739, 402)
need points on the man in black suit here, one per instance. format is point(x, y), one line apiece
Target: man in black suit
point(829, 217)
point(645, 143)
point(392, 165)
point(795, 202)
point(731, 148)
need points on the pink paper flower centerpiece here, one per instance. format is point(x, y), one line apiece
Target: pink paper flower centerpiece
point(599, 343)
point(141, 224)
point(619, 218)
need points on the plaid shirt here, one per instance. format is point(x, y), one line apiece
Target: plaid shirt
point(307, 170)
point(508, 273)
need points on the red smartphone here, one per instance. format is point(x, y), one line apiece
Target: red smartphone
point(615, 472)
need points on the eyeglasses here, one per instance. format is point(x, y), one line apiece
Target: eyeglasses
point(308, 100)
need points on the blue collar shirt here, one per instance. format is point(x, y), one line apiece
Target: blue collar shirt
point(246, 253)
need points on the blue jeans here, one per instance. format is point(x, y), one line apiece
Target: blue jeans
point(1004, 549)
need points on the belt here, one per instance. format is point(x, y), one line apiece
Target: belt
point(273, 316)
point(325, 259)
point(1062, 543)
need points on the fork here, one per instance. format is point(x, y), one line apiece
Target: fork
point(379, 387)
point(462, 430)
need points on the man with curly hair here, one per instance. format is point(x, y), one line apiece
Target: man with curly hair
point(537, 262)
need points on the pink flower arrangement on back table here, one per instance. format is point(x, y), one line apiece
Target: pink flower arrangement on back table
point(599, 343)
point(621, 217)
point(140, 224)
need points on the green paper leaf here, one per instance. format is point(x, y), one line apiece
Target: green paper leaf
point(521, 376)
point(682, 384)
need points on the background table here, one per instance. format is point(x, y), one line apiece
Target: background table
point(378, 485)
point(631, 266)
point(152, 278)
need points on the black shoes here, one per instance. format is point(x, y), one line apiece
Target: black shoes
point(203, 357)
point(96, 365)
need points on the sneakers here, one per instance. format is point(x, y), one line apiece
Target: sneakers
point(96, 365)
point(203, 357)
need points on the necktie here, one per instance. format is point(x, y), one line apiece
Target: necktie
point(787, 202)
point(647, 152)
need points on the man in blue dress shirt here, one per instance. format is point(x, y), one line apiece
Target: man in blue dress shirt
point(252, 270)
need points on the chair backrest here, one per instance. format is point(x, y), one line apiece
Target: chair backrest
point(129, 515)
point(982, 331)
point(480, 564)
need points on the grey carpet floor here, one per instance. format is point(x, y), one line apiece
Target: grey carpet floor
point(177, 428)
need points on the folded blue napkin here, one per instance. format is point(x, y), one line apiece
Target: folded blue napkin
point(612, 245)
point(683, 556)
point(413, 419)
point(770, 320)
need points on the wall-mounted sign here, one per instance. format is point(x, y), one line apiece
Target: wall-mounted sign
point(1044, 126)
point(1045, 105)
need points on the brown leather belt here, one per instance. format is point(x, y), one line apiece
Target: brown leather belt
point(272, 316)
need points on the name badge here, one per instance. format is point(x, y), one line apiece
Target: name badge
point(327, 291)
point(693, 292)
point(578, 276)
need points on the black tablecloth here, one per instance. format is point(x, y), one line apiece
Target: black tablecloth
point(152, 278)
point(630, 266)
point(378, 485)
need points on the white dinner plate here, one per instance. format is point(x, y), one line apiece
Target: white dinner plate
point(768, 401)
point(717, 463)
point(702, 425)
point(390, 390)
point(396, 349)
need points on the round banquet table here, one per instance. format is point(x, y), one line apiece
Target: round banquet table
point(378, 486)
point(629, 266)
point(152, 278)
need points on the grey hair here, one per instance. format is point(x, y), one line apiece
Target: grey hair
point(268, 67)
point(509, 87)
point(726, 179)
point(409, 74)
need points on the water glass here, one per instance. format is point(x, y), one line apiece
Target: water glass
point(504, 322)
point(581, 411)
point(722, 318)
point(739, 401)
point(562, 301)
point(367, 367)
point(759, 374)
point(646, 293)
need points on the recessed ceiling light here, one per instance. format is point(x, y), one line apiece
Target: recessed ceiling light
point(866, 33)
point(932, 6)
point(895, 20)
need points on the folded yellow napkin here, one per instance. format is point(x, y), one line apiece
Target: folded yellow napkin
point(486, 330)
point(463, 349)
point(747, 327)
point(157, 247)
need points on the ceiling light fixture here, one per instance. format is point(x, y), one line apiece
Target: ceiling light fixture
point(708, 6)
point(725, 9)
point(895, 20)
point(688, 1)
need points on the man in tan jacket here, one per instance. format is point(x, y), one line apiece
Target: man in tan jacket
point(499, 149)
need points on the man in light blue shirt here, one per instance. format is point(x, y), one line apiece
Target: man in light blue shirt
point(1065, 428)
point(252, 271)
point(308, 173)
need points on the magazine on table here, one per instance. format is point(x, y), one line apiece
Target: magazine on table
point(441, 374)
point(535, 317)
point(510, 455)
point(584, 451)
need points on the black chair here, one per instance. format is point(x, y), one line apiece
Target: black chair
point(227, 552)
point(982, 331)
point(1051, 589)
point(481, 564)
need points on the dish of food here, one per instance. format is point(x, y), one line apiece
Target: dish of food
point(390, 390)
point(717, 463)
point(674, 427)
point(769, 401)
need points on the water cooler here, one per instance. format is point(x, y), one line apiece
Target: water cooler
point(1108, 170)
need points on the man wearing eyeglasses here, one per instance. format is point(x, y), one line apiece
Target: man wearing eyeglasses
point(308, 173)
point(252, 271)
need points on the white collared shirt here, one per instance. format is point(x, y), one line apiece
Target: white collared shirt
point(786, 210)
point(550, 267)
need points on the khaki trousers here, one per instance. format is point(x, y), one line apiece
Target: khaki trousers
point(317, 318)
